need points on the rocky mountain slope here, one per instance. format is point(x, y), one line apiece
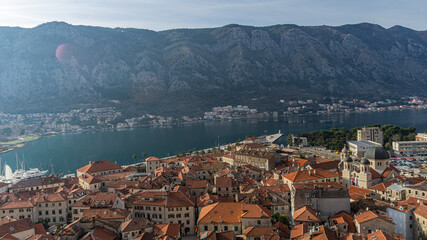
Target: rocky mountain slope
point(57, 66)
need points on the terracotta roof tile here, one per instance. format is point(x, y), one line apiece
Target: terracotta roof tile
point(134, 224)
point(310, 175)
point(223, 182)
point(105, 214)
point(16, 226)
point(421, 211)
point(197, 184)
point(99, 166)
point(369, 215)
point(98, 200)
point(306, 214)
point(231, 212)
point(380, 235)
point(382, 186)
point(102, 234)
point(298, 231)
point(167, 230)
point(345, 217)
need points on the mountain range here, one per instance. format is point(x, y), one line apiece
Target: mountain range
point(57, 66)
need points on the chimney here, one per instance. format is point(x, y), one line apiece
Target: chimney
point(314, 171)
point(90, 162)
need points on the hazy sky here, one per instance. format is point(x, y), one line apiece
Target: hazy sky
point(167, 14)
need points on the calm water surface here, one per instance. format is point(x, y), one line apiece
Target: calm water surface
point(71, 151)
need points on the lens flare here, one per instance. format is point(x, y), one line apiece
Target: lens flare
point(62, 52)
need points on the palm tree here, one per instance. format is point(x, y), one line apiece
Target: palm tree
point(144, 155)
point(134, 157)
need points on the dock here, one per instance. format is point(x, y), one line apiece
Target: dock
point(274, 137)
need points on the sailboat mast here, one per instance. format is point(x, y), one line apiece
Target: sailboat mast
point(51, 164)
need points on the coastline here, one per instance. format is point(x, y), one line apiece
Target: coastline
point(17, 143)
point(20, 142)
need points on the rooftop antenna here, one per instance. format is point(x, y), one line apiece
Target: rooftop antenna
point(23, 162)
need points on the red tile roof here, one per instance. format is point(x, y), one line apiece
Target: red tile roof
point(99, 166)
point(105, 214)
point(357, 193)
point(223, 182)
point(102, 234)
point(197, 184)
point(18, 204)
point(167, 230)
point(368, 216)
point(310, 175)
point(306, 214)
point(97, 200)
point(380, 235)
point(421, 211)
point(134, 224)
point(39, 229)
point(179, 199)
point(228, 212)
point(382, 186)
point(16, 226)
point(298, 230)
point(344, 217)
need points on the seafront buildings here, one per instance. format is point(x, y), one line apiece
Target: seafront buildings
point(251, 191)
point(410, 148)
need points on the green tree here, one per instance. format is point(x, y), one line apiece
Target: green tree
point(58, 228)
point(387, 146)
point(144, 155)
point(6, 132)
point(289, 139)
point(278, 218)
point(134, 157)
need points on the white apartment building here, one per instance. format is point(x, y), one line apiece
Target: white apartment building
point(374, 134)
point(358, 148)
point(410, 148)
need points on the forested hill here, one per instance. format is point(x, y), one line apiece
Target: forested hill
point(57, 66)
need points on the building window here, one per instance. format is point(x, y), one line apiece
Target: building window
point(236, 228)
point(206, 228)
point(258, 222)
point(216, 228)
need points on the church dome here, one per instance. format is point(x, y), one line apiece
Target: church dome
point(348, 159)
point(365, 161)
point(376, 153)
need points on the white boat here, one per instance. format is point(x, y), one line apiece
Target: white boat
point(8, 176)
